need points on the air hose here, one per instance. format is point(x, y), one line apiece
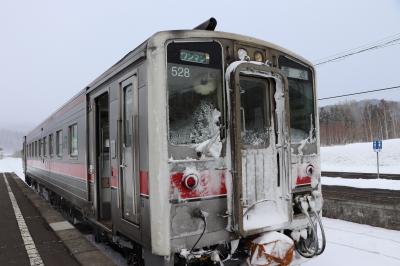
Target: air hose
point(203, 215)
point(303, 246)
point(320, 251)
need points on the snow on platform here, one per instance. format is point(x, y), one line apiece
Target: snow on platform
point(357, 244)
point(361, 183)
point(360, 157)
point(10, 164)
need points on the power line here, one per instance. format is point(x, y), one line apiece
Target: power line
point(380, 41)
point(375, 45)
point(361, 92)
point(358, 52)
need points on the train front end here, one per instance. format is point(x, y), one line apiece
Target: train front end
point(243, 150)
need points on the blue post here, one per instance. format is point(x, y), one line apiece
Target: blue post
point(377, 146)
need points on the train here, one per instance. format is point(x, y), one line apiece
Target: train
point(198, 147)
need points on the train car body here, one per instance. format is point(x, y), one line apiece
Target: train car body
point(195, 139)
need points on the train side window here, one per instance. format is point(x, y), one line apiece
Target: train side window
point(40, 147)
point(73, 140)
point(44, 146)
point(36, 149)
point(51, 140)
point(59, 145)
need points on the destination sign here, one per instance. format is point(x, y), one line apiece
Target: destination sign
point(295, 73)
point(195, 57)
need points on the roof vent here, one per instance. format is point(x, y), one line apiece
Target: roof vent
point(209, 24)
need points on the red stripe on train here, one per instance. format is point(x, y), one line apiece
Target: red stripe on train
point(301, 181)
point(114, 181)
point(144, 182)
point(70, 169)
point(211, 183)
point(79, 171)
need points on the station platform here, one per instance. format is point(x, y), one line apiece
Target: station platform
point(32, 233)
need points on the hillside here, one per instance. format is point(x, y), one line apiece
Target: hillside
point(359, 121)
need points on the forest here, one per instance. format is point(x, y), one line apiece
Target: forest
point(359, 121)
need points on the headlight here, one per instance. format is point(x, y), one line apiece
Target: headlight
point(310, 170)
point(242, 54)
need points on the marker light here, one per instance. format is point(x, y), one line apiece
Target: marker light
point(190, 181)
point(258, 56)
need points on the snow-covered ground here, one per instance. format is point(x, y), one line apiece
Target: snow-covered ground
point(9, 164)
point(362, 183)
point(358, 245)
point(360, 157)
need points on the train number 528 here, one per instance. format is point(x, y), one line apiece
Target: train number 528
point(180, 72)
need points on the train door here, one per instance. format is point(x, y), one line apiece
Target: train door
point(102, 155)
point(99, 192)
point(261, 184)
point(129, 150)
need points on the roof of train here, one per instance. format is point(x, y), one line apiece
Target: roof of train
point(159, 38)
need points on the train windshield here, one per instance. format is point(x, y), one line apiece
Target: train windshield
point(301, 99)
point(195, 91)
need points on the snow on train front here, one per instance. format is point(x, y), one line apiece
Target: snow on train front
point(243, 149)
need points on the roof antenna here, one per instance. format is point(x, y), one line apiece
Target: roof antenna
point(209, 24)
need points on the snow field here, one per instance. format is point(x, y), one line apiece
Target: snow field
point(360, 157)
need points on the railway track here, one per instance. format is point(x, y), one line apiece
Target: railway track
point(360, 175)
point(372, 196)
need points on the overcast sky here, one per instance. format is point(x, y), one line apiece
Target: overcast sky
point(49, 50)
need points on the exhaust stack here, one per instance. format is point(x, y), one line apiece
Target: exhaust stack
point(209, 24)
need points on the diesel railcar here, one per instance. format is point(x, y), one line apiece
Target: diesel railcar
point(188, 148)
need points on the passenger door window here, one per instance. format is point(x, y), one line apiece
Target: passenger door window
point(129, 155)
point(255, 111)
